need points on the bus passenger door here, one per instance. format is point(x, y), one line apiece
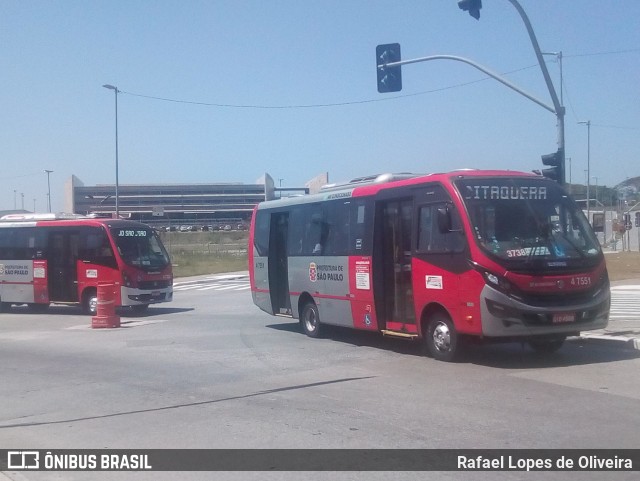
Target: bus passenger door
point(278, 265)
point(62, 259)
point(392, 265)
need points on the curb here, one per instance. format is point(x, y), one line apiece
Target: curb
point(626, 342)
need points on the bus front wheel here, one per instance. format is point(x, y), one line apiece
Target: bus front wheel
point(90, 302)
point(441, 338)
point(310, 320)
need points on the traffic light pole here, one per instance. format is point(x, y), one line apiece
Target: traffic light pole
point(473, 7)
point(491, 74)
point(559, 108)
point(556, 159)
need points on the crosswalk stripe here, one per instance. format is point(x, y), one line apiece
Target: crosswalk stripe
point(625, 304)
point(220, 287)
point(215, 283)
point(226, 288)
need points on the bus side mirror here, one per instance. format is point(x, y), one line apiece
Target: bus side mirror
point(444, 220)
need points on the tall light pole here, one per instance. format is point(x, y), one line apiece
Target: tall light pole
point(596, 177)
point(48, 191)
point(588, 124)
point(115, 89)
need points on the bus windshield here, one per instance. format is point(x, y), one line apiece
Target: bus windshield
point(524, 221)
point(140, 247)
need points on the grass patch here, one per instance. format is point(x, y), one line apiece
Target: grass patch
point(194, 264)
point(623, 265)
point(199, 253)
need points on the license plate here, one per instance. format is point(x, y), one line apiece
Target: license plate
point(563, 317)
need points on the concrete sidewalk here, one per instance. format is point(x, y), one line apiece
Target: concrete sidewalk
point(624, 333)
point(626, 336)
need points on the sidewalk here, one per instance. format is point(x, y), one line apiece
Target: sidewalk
point(625, 334)
point(625, 337)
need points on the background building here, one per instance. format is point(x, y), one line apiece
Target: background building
point(192, 204)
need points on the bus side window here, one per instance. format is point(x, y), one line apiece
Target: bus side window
point(261, 232)
point(335, 228)
point(313, 239)
point(7, 244)
point(95, 247)
point(425, 228)
point(358, 239)
point(295, 243)
point(430, 238)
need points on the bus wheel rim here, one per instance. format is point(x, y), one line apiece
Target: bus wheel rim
point(310, 321)
point(93, 304)
point(442, 337)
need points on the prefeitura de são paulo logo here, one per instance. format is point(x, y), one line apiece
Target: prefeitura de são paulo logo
point(313, 272)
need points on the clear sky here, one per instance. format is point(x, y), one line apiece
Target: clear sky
point(288, 87)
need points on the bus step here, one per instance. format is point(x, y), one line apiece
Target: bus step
point(278, 314)
point(405, 335)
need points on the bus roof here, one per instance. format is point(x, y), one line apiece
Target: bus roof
point(371, 185)
point(369, 180)
point(62, 219)
point(40, 216)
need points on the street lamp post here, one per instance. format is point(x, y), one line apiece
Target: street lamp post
point(588, 124)
point(48, 191)
point(115, 89)
point(596, 194)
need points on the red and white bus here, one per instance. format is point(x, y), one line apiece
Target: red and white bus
point(495, 255)
point(61, 258)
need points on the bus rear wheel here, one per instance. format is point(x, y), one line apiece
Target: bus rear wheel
point(310, 320)
point(441, 338)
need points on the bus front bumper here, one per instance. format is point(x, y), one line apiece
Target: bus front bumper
point(132, 297)
point(503, 316)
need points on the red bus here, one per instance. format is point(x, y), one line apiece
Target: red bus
point(61, 258)
point(492, 255)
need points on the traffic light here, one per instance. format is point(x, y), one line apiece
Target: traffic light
point(389, 78)
point(471, 6)
point(556, 163)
